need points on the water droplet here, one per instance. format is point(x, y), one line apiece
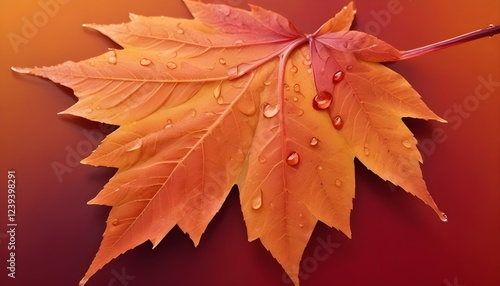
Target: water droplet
point(338, 183)
point(301, 225)
point(220, 100)
point(319, 168)
point(295, 99)
point(444, 217)
point(115, 222)
point(294, 69)
point(267, 83)
point(145, 62)
point(296, 87)
point(262, 159)
point(286, 87)
point(180, 31)
point(217, 91)
point(169, 124)
point(322, 100)
point(257, 201)
point(366, 150)
point(137, 145)
point(88, 110)
point(238, 42)
point(338, 123)
point(314, 141)
point(171, 65)
point(349, 67)
point(306, 62)
point(269, 111)
point(406, 143)
point(222, 61)
point(112, 60)
point(193, 113)
point(338, 77)
point(301, 215)
point(293, 159)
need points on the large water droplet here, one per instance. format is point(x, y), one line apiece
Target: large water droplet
point(269, 111)
point(338, 123)
point(314, 141)
point(293, 159)
point(217, 91)
point(137, 145)
point(338, 76)
point(444, 217)
point(406, 143)
point(296, 87)
point(257, 201)
point(145, 62)
point(171, 65)
point(322, 100)
point(112, 60)
point(366, 150)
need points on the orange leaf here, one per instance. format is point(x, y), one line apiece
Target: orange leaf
point(241, 97)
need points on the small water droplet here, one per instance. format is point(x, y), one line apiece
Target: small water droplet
point(338, 123)
point(314, 141)
point(306, 62)
point(220, 100)
point(444, 217)
point(322, 100)
point(338, 76)
point(338, 183)
point(349, 67)
point(180, 31)
point(286, 87)
point(295, 99)
point(169, 124)
point(267, 83)
point(137, 145)
point(88, 110)
point(217, 91)
point(145, 62)
point(115, 222)
point(222, 61)
point(366, 150)
point(294, 69)
point(296, 87)
point(171, 65)
point(301, 215)
point(193, 113)
point(293, 159)
point(269, 111)
point(112, 60)
point(406, 143)
point(257, 201)
point(319, 168)
point(262, 159)
point(238, 42)
point(301, 225)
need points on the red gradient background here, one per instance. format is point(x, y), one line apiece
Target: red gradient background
point(397, 240)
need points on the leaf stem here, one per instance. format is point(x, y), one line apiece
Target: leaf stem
point(474, 35)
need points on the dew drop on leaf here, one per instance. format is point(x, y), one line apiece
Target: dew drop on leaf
point(444, 217)
point(238, 42)
point(257, 201)
point(115, 222)
point(295, 99)
point(322, 100)
point(193, 113)
point(171, 65)
point(169, 124)
point(145, 62)
point(366, 150)
point(267, 83)
point(220, 100)
point(269, 111)
point(296, 87)
point(294, 69)
point(349, 67)
point(262, 159)
point(286, 87)
point(406, 143)
point(301, 225)
point(338, 123)
point(137, 145)
point(180, 31)
point(293, 159)
point(112, 60)
point(222, 61)
point(89, 110)
point(338, 76)
point(338, 183)
point(217, 91)
point(319, 168)
point(301, 215)
point(314, 141)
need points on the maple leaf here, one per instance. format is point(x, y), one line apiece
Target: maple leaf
point(242, 97)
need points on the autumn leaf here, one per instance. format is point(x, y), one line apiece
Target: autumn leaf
point(242, 97)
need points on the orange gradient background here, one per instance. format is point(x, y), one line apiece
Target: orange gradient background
point(397, 240)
